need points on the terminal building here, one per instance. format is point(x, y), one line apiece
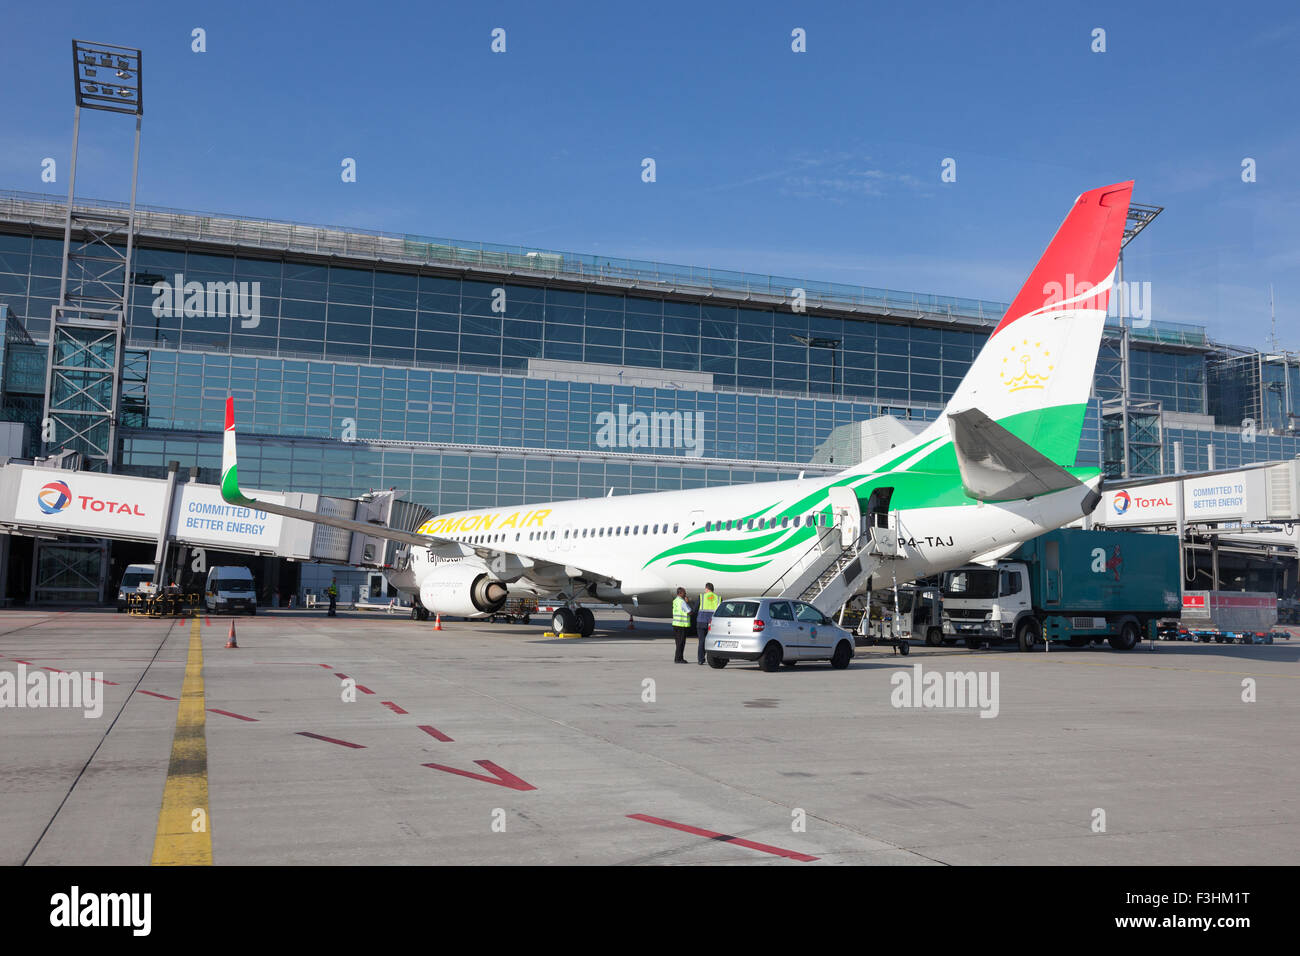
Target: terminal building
point(466, 374)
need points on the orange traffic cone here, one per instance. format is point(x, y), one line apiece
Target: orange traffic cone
point(437, 622)
point(230, 641)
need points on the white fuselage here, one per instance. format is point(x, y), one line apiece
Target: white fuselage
point(623, 535)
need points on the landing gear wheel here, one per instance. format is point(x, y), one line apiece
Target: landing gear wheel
point(716, 662)
point(564, 621)
point(586, 622)
point(1028, 635)
point(1128, 637)
point(770, 660)
point(843, 654)
point(934, 637)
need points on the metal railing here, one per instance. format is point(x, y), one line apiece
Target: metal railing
point(426, 250)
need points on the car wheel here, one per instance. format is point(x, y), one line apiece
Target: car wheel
point(934, 637)
point(843, 654)
point(586, 622)
point(1128, 637)
point(770, 660)
point(716, 662)
point(1027, 634)
point(564, 621)
point(904, 648)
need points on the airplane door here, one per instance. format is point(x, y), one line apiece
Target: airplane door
point(847, 515)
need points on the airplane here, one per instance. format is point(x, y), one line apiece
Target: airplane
point(994, 469)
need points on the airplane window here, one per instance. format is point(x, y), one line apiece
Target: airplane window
point(645, 529)
point(796, 520)
point(566, 533)
point(785, 522)
point(656, 529)
point(674, 527)
point(625, 529)
point(634, 529)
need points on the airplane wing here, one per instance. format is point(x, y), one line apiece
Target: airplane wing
point(230, 491)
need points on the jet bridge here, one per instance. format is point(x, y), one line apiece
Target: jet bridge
point(79, 512)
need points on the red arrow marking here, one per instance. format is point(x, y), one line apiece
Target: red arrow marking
point(723, 837)
point(502, 778)
point(436, 733)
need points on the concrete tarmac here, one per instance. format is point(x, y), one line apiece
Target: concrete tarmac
point(370, 738)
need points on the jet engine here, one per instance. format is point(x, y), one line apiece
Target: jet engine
point(459, 590)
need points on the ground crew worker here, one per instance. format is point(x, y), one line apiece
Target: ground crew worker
point(681, 624)
point(708, 604)
point(333, 592)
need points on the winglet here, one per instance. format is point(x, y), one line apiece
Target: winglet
point(229, 464)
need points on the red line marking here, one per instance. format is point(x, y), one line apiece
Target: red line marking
point(152, 694)
point(226, 713)
point(57, 670)
point(340, 676)
point(436, 733)
point(393, 707)
point(17, 661)
point(326, 666)
point(364, 689)
point(723, 837)
point(110, 682)
point(502, 778)
point(331, 740)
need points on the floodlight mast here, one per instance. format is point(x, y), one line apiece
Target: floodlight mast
point(88, 323)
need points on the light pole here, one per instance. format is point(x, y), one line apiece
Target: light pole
point(822, 343)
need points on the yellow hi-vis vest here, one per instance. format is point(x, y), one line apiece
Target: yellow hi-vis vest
point(709, 601)
point(681, 613)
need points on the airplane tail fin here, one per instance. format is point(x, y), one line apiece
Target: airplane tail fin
point(1034, 374)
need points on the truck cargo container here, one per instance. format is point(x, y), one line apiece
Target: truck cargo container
point(1069, 585)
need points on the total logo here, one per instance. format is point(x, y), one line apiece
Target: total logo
point(55, 498)
point(1123, 501)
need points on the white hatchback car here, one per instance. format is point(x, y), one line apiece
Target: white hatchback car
point(775, 631)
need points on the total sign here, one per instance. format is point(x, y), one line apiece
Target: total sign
point(1147, 505)
point(82, 501)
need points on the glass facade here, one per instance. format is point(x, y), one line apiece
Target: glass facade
point(358, 376)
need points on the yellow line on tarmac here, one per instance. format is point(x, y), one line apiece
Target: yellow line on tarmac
point(184, 837)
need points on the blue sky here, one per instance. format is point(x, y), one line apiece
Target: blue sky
point(822, 165)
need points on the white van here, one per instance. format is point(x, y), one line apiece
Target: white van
point(230, 588)
point(134, 576)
